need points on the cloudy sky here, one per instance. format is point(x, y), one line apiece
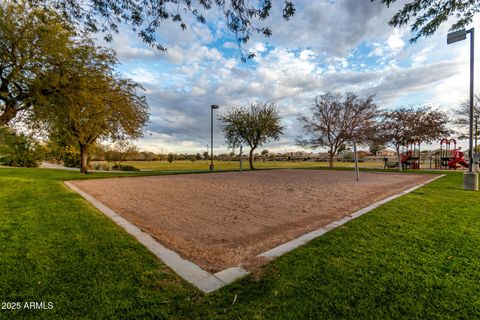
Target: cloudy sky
point(329, 45)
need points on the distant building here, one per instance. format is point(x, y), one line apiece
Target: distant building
point(386, 153)
point(344, 152)
point(364, 153)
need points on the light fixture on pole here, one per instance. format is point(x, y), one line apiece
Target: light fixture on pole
point(212, 107)
point(470, 179)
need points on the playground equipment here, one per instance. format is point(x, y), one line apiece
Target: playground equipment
point(410, 157)
point(449, 156)
point(458, 157)
point(444, 155)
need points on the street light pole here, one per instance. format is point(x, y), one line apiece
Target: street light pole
point(476, 145)
point(241, 155)
point(470, 178)
point(213, 106)
point(476, 132)
point(470, 142)
point(355, 158)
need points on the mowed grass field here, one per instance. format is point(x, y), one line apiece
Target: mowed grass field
point(204, 165)
point(416, 257)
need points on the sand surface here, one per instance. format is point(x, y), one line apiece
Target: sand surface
point(225, 219)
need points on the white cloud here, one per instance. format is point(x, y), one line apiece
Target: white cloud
point(143, 76)
point(422, 56)
point(328, 46)
point(230, 45)
point(395, 41)
point(378, 51)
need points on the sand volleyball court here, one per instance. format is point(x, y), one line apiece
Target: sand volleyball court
point(223, 220)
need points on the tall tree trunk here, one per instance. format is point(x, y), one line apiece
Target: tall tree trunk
point(83, 157)
point(399, 158)
point(8, 114)
point(250, 159)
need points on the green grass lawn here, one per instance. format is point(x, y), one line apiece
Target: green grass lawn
point(416, 257)
point(234, 165)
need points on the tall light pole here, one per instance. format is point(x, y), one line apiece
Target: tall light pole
point(212, 107)
point(470, 178)
point(476, 132)
point(355, 158)
point(475, 157)
point(241, 156)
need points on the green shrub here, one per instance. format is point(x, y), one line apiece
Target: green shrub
point(125, 168)
point(101, 166)
point(18, 149)
point(54, 152)
point(71, 157)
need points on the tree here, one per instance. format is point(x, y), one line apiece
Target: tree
point(170, 157)
point(338, 119)
point(348, 156)
point(146, 16)
point(55, 151)
point(149, 156)
point(120, 151)
point(429, 15)
point(205, 155)
point(32, 41)
point(181, 157)
point(18, 149)
point(97, 152)
point(462, 116)
point(254, 126)
point(374, 148)
point(198, 156)
point(342, 147)
point(71, 157)
point(264, 154)
point(405, 125)
point(92, 102)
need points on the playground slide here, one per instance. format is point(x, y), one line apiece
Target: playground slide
point(405, 158)
point(453, 163)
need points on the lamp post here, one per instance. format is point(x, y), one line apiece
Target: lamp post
point(476, 132)
point(212, 107)
point(355, 158)
point(241, 156)
point(475, 157)
point(470, 178)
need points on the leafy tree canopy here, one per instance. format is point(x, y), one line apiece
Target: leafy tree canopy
point(404, 125)
point(90, 101)
point(338, 119)
point(32, 42)
point(120, 151)
point(428, 15)
point(253, 126)
point(18, 149)
point(146, 16)
point(461, 116)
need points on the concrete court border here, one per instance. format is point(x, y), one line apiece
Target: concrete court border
point(204, 280)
